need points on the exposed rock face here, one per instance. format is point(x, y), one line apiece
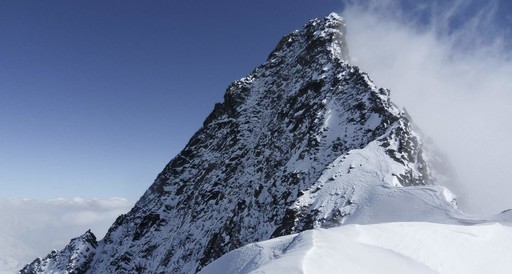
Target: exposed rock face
point(253, 170)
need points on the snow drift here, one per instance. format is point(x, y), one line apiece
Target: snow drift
point(413, 247)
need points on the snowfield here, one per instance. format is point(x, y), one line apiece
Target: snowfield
point(402, 247)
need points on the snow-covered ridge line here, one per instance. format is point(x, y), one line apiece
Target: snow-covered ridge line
point(412, 247)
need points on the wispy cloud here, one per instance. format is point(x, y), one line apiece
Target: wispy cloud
point(447, 62)
point(30, 228)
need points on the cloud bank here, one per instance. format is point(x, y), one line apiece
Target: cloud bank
point(448, 64)
point(32, 228)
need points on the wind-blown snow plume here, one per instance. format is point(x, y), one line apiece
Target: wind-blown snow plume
point(450, 65)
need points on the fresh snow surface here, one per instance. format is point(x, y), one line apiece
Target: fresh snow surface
point(359, 187)
point(402, 247)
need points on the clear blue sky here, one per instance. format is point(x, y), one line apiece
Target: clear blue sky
point(97, 96)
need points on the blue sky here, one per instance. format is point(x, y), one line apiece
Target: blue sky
point(97, 96)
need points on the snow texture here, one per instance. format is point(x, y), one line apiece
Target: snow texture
point(412, 247)
point(304, 141)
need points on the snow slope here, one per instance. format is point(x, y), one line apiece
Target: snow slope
point(402, 247)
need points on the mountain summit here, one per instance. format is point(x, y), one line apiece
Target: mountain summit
point(304, 141)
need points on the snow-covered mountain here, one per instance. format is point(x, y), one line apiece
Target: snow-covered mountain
point(304, 141)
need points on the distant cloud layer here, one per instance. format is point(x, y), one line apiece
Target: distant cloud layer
point(448, 63)
point(32, 228)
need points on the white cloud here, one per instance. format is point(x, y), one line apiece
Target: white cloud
point(455, 82)
point(32, 228)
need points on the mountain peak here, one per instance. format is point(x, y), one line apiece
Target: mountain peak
point(321, 36)
point(304, 141)
point(333, 16)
